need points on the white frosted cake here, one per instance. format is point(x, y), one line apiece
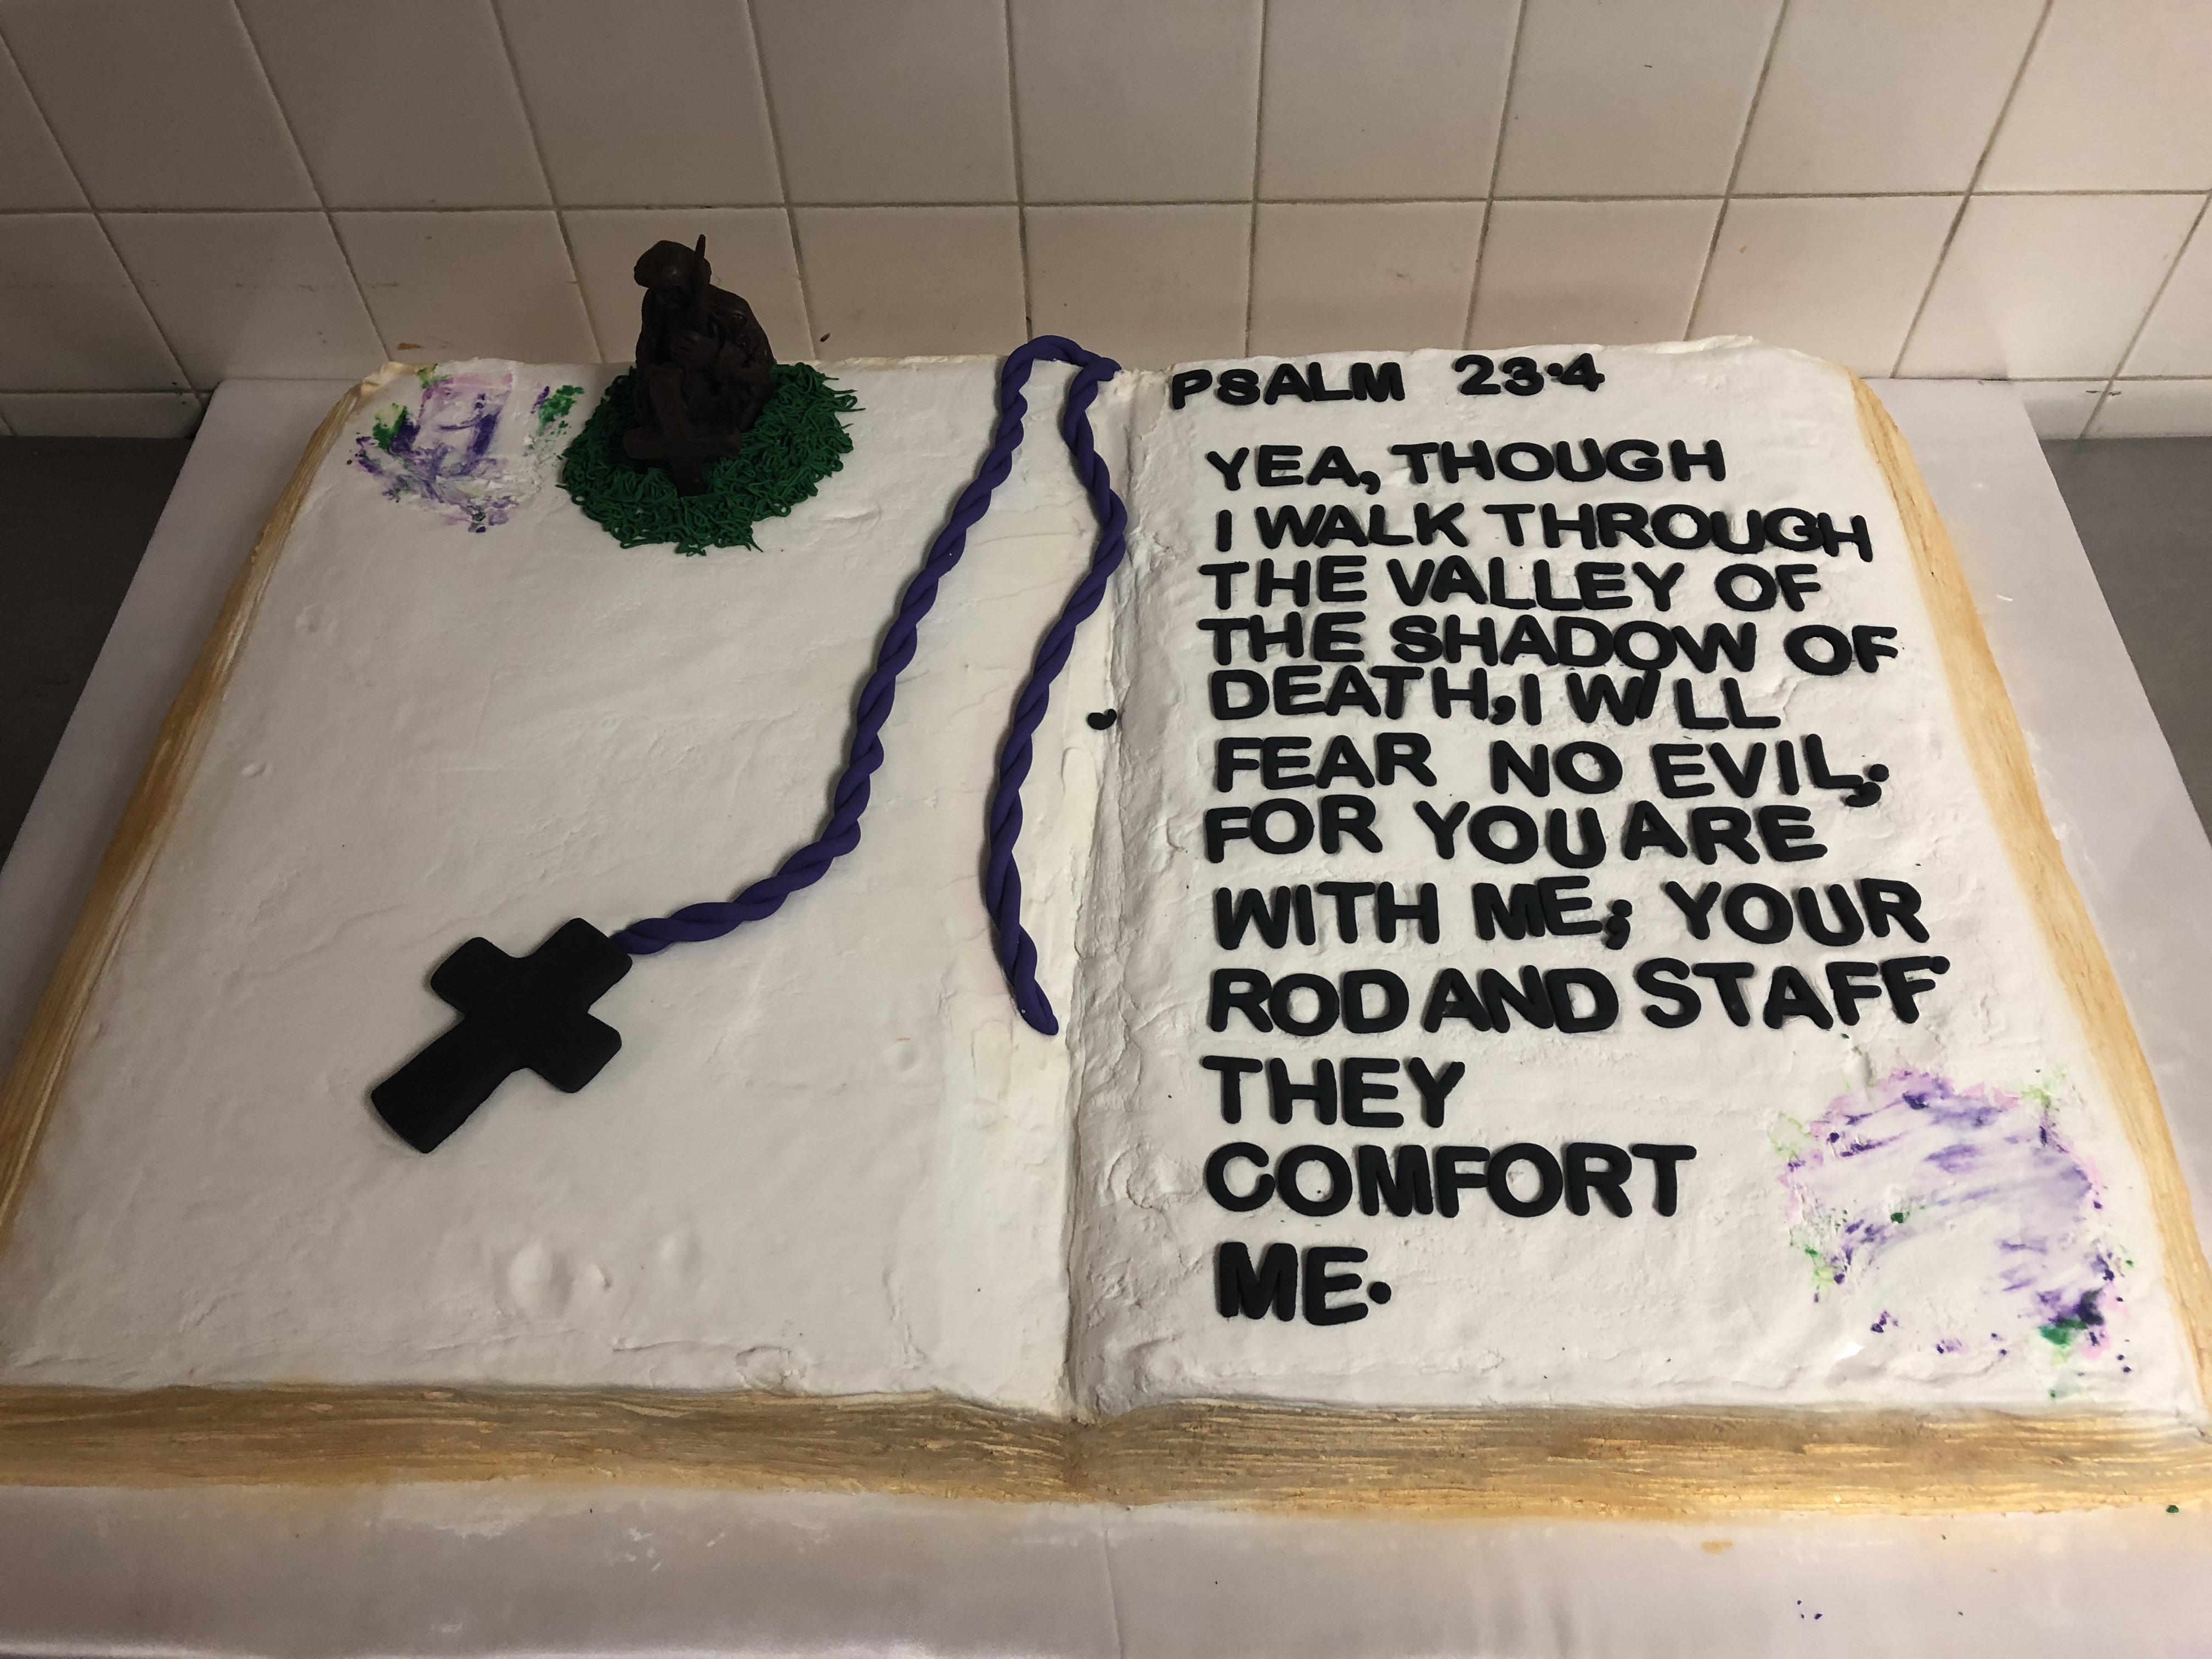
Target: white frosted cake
point(1568, 996)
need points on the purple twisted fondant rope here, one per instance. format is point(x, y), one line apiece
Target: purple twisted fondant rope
point(865, 753)
point(1002, 882)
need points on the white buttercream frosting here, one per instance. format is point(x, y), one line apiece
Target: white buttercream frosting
point(830, 1160)
point(1973, 1295)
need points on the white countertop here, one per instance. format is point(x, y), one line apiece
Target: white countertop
point(506, 1569)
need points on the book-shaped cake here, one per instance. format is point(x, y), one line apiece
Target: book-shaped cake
point(1567, 996)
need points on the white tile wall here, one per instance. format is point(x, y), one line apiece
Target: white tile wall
point(884, 282)
point(2060, 409)
point(33, 174)
point(469, 284)
point(157, 103)
point(70, 319)
point(1949, 187)
point(404, 104)
point(2047, 287)
point(247, 294)
point(2177, 336)
point(2155, 408)
point(890, 100)
point(1635, 100)
point(101, 414)
point(1333, 276)
point(1866, 96)
point(1840, 276)
point(2117, 96)
point(1142, 101)
point(1391, 98)
point(649, 103)
point(1148, 286)
point(1597, 273)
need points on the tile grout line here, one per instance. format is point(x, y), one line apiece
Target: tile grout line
point(83, 196)
point(99, 223)
point(1973, 183)
point(1497, 162)
point(783, 186)
point(315, 184)
point(2143, 323)
point(138, 294)
point(1735, 167)
point(546, 178)
point(307, 167)
point(2148, 189)
point(420, 209)
point(1252, 206)
point(1021, 183)
point(276, 99)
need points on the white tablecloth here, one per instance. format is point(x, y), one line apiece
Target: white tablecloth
point(478, 1570)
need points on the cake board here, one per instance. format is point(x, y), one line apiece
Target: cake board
point(2111, 791)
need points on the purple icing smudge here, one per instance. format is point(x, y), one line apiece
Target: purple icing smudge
point(446, 452)
point(1984, 1176)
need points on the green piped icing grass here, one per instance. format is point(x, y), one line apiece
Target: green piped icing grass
point(554, 407)
point(798, 441)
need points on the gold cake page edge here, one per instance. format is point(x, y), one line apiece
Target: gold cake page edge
point(42, 1060)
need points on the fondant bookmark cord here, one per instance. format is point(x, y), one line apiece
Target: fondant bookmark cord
point(865, 753)
point(534, 1011)
point(1002, 881)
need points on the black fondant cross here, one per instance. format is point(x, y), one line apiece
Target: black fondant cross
point(515, 1013)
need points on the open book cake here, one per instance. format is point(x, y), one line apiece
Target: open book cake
point(1567, 996)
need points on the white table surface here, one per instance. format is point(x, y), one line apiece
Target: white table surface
point(510, 1569)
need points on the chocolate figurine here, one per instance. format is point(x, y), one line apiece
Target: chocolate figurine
point(703, 366)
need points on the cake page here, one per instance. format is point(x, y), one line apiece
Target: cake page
point(1562, 954)
point(829, 1158)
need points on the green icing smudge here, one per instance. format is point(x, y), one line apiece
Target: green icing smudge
point(2061, 1332)
point(1823, 1271)
point(385, 427)
point(559, 400)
